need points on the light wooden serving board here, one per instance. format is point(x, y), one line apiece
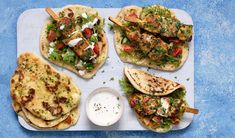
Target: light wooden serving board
point(29, 26)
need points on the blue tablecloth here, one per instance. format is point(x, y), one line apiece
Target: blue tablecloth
point(214, 25)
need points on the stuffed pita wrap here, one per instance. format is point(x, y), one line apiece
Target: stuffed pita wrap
point(152, 37)
point(75, 39)
point(158, 103)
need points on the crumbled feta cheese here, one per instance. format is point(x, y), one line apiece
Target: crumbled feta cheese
point(62, 27)
point(165, 104)
point(79, 65)
point(50, 51)
point(89, 24)
point(82, 72)
point(52, 44)
point(84, 15)
point(73, 42)
point(90, 46)
point(95, 34)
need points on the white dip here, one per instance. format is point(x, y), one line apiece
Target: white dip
point(104, 108)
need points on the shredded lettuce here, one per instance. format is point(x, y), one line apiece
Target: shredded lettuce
point(87, 65)
point(94, 39)
point(126, 86)
point(178, 94)
point(70, 57)
point(54, 55)
point(166, 122)
point(51, 27)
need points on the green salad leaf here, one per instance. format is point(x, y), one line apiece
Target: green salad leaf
point(126, 86)
point(70, 57)
point(94, 38)
point(178, 94)
point(51, 27)
point(54, 55)
point(166, 122)
point(88, 65)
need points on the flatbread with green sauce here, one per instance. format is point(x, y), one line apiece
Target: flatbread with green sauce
point(152, 36)
point(76, 41)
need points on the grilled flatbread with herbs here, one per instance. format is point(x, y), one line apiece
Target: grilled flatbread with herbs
point(159, 105)
point(37, 123)
point(77, 41)
point(135, 43)
point(44, 96)
point(64, 122)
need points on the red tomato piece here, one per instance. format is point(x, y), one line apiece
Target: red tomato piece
point(157, 119)
point(51, 35)
point(88, 32)
point(96, 49)
point(133, 102)
point(60, 46)
point(128, 48)
point(176, 51)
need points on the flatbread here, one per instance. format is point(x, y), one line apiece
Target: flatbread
point(149, 84)
point(41, 90)
point(77, 9)
point(143, 61)
point(68, 122)
point(158, 130)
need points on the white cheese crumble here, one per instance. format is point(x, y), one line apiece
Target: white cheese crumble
point(62, 27)
point(84, 15)
point(73, 42)
point(82, 72)
point(52, 44)
point(89, 24)
point(79, 65)
point(50, 51)
point(95, 34)
point(165, 104)
point(90, 46)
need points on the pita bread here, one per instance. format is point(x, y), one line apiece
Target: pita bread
point(47, 100)
point(149, 84)
point(77, 9)
point(129, 58)
point(158, 130)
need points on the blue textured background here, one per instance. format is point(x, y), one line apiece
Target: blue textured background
point(214, 25)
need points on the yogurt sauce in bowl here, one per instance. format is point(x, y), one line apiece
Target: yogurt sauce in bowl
point(104, 106)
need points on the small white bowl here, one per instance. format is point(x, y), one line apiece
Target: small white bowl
point(104, 106)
